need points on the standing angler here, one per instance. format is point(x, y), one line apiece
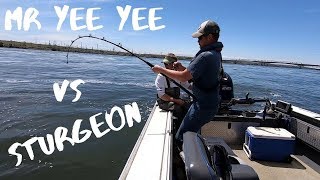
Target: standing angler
point(205, 71)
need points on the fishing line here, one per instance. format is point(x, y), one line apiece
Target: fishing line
point(131, 53)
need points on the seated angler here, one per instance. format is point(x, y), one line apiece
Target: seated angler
point(168, 94)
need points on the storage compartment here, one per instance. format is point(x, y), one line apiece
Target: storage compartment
point(269, 144)
point(231, 132)
point(307, 132)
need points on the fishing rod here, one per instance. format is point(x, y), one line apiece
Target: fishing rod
point(131, 53)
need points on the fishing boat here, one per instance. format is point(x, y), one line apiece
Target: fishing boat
point(154, 154)
point(276, 141)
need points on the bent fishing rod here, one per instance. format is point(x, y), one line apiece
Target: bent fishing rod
point(131, 53)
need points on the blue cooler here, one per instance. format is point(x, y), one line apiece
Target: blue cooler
point(268, 144)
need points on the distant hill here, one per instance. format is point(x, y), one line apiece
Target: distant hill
point(54, 47)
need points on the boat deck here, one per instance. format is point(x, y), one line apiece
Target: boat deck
point(151, 157)
point(301, 166)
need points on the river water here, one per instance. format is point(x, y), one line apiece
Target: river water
point(28, 107)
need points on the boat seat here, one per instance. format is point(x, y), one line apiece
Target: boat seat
point(201, 160)
point(211, 141)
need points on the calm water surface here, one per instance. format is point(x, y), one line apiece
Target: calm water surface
point(28, 107)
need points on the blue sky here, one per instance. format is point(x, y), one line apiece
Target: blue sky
point(281, 30)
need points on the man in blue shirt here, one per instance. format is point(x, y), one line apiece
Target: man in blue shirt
point(204, 70)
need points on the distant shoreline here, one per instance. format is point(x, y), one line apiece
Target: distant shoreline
point(54, 47)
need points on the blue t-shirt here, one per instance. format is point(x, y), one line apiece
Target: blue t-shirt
point(205, 69)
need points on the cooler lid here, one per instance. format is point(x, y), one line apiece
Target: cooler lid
point(270, 133)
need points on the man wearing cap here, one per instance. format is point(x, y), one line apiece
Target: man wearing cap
point(168, 93)
point(205, 71)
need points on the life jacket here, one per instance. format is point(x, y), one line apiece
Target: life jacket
point(171, 91)
point(216, 87)
point(225, 84)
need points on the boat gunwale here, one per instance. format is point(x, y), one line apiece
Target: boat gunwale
point(133, 153)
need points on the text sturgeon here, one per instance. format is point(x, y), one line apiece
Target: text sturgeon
point(131, 114)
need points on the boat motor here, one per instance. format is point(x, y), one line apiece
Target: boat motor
point(226, 88)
